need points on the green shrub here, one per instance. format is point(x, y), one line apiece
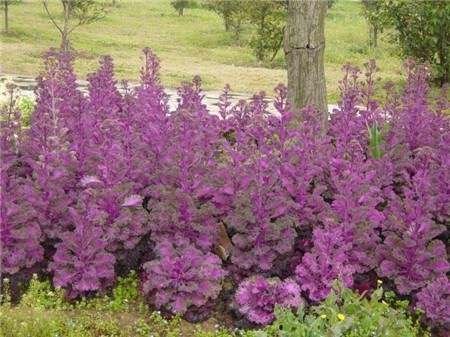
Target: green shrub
point(26, 106)
point(348, 314)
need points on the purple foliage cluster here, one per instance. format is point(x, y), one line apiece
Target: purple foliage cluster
point(20, 232)
point(182, 277)
point(435, 300)
point(329, 260)
point(257, 297)
point(81, 262)
point(97, 175)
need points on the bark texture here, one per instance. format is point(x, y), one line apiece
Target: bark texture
point(304, 45)
point(6, 13)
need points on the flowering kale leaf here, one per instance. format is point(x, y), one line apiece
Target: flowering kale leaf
point(434, 299)
point(81, 263)
point(258, 296)
point(328, 261)
point(182, 276)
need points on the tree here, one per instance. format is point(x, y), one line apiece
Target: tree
point(423, 31)
point(304, 45)
point(233, 13)
point(5, 7)
point(376, 19)
point(4, 4)
point(76, 13)
point(269, 17)
point(180, 5)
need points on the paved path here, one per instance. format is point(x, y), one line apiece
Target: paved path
point(26, 86)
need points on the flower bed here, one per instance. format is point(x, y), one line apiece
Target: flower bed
point(107, 182)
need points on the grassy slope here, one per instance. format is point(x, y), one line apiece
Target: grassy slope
point(193, 44)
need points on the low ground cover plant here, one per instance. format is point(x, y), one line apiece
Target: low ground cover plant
point(111, 181)
point(349, 314)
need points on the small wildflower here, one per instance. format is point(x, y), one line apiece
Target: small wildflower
point(323, 316)
point(379, 282)
point(341, 317)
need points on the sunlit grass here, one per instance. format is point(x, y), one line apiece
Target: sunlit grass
point(189, 45)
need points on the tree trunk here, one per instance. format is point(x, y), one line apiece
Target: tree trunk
point(65, 30)
point(6, 10)
point(304, 45)
point(373, 35)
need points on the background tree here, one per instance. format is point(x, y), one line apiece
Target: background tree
point(233, 13)
point(330, 3)
point(376, 19)
point(269, 19)
point(76, 13)
point(422, 29)
point(4, 5)
point(304, 45)
point(180, 5)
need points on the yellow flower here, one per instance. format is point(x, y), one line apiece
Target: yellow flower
point(323, 316)
point(379, 282)
point(341, 317)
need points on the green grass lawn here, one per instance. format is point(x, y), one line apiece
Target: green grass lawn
point(195, 43)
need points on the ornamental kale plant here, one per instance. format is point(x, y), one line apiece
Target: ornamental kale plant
point(301, 155)
point(180, 196)
point(104, 97)
point(46, 145)
point(81, 262)
point(434, 299)
point(258, 209)
point(114, 173)
point(20, 234)
point(328, 261)
point(410, 255)
point(182, 277)
point(258, 296)
point(356, 197)
point(117, 211)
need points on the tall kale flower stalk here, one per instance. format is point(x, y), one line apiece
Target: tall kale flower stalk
point(20, 234)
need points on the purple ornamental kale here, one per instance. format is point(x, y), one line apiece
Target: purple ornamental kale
point(182, 186)
point(146, 111)
point(258, 296)
point(256, 207)
point(182, 277)
point(53, 173)
point(329, 260)
point(410, 254)
point(303, 154)
point(20, 233)
point(356, 196)
point(81, 262)
point(116, 210)
point(434, 299)
point(58, 95)
point(104, 98)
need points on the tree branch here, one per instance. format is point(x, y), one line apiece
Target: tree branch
point(44, 2)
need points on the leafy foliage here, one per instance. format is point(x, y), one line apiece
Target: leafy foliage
point(421, 30)
point(258, 296)
point(182, 277)
point(346, 313)
point(81, 262)
point(115, 176)
point(20, 232)
point(328, 261)
point(434, 299)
